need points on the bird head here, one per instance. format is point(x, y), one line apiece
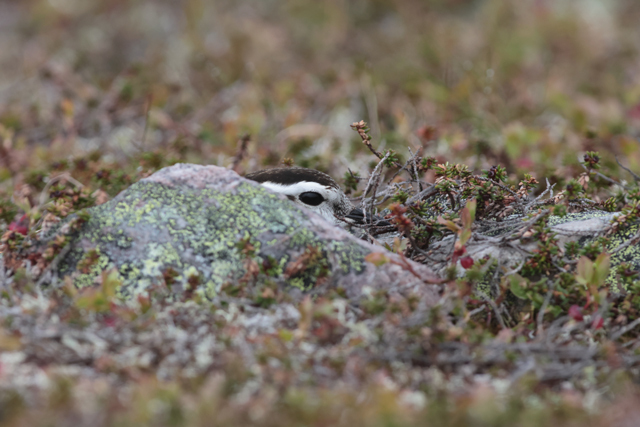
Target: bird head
point(309, 188)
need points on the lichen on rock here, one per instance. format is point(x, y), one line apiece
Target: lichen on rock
point(200, 228)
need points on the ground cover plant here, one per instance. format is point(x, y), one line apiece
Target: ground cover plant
point(472, 113)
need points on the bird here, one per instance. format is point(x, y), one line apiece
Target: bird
point(316, 191)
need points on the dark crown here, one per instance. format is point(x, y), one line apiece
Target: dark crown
point(290, 176)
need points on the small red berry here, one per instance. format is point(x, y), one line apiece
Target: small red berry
point(466, 262)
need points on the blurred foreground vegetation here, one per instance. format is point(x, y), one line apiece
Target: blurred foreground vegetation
point(95, 95)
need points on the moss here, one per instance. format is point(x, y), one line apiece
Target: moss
point(152, 227)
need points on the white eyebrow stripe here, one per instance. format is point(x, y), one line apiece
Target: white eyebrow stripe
point(297, 188)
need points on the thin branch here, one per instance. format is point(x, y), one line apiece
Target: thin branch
point(361, 128)
point(52, 266)
point(415, 166)
point(241, 152)
point(636, 177)
point(495, 308)
point(373, 182)
point(624, 330)
point(606, 178)
point(148, 102)
point(543, 308)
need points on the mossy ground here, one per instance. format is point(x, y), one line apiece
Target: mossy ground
point(95, 95)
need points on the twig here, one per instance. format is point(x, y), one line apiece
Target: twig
point(495, 308)
point(527, 226)
point(415, 166)
point(354, 176)
point(536, 201)
point(624, 330)
point(146, 120)
point(361, 128)
point(606, 178)
point(515, 270)
point(373, 182)
point(549, 189)
point(413, 174)
point(241, 152)
point(636, 177)
point(543, 308)
point(476, 311)
point(52, 265)
point(423, 194)
point(495, 283)
point(556, 328)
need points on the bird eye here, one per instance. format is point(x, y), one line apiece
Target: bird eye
point(311, 198)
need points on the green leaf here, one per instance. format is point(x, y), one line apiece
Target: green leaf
point(584, 271)
point(601, 268)
point(518, 286)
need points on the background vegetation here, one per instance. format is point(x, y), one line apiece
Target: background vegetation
point(95, 95)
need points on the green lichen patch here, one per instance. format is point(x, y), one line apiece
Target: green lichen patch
point(152, 229)
point(623, 255)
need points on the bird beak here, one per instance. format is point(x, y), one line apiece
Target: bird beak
point(356, 216)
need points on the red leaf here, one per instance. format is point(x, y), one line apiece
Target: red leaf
point(427, 133)
point(598, 322)
point(525, 162)
point(458, 252)
point(575, 312)
point(21, 226)
point(634, 112)
point(110, 320)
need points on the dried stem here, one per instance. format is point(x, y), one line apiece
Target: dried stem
point(241, 152)
point(361, 128)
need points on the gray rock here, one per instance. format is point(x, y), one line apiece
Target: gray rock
point(205, 229)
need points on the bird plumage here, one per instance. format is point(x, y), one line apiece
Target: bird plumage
point(308, 188)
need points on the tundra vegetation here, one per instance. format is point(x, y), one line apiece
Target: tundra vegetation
point(458, 120)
